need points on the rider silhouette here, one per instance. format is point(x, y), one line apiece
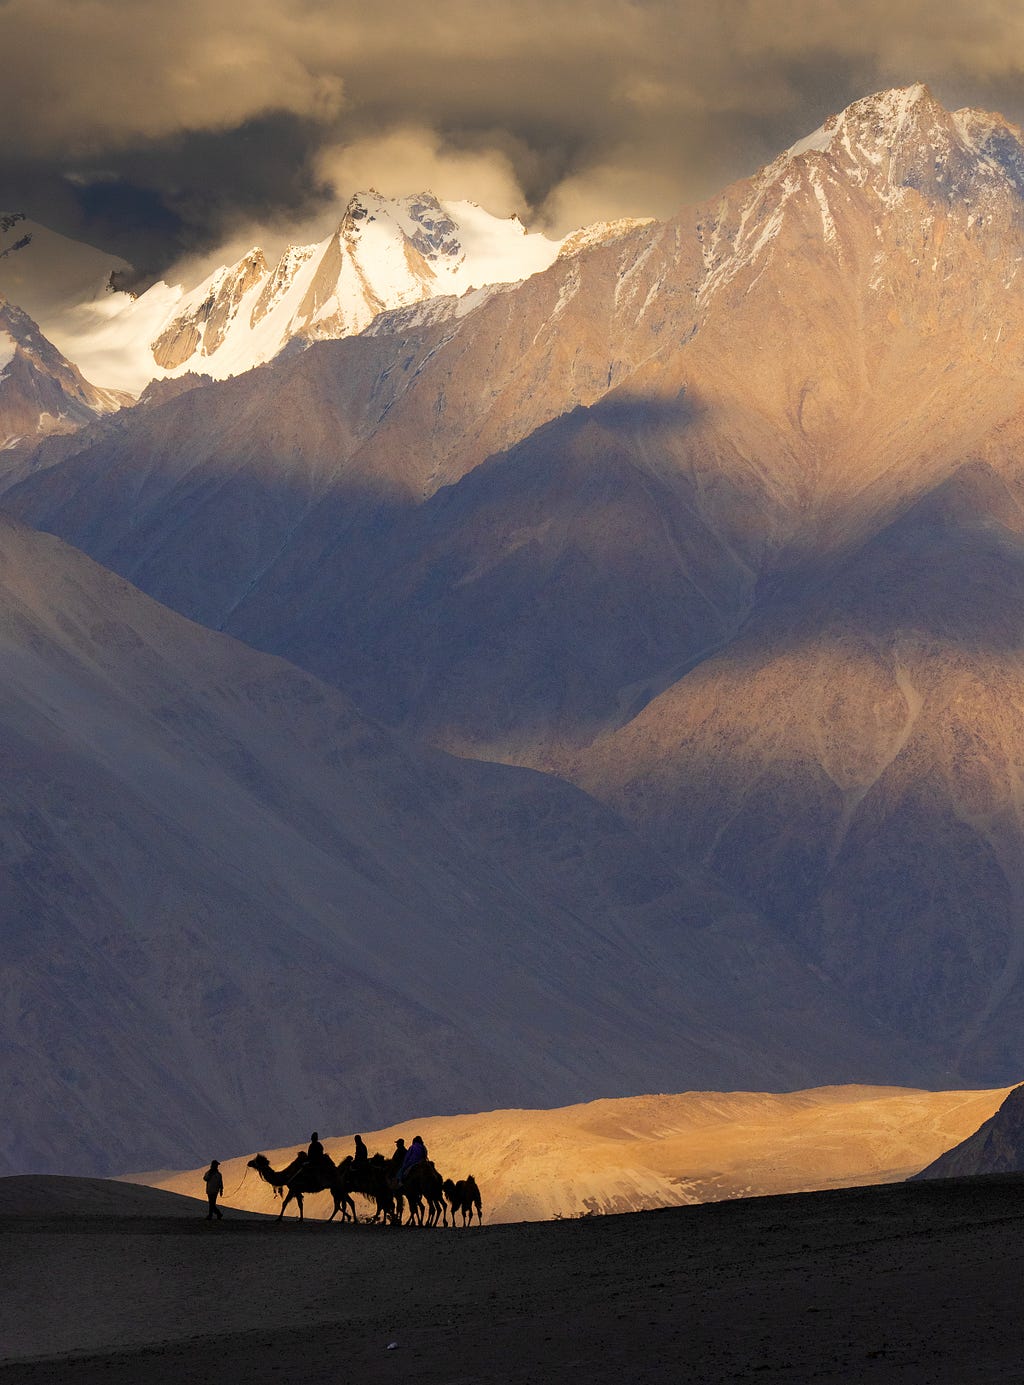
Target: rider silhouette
point(416, 1154)
point(315, 1153)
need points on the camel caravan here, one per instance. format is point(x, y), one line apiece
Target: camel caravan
point(406, 1180)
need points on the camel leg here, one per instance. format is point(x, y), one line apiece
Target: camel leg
point(292, 1193)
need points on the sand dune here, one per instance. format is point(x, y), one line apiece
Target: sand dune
point(54, 1195)
point(657, 1151)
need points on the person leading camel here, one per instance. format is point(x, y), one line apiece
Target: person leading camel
point(214, 1187)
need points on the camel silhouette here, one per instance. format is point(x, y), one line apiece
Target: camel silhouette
point(423, 1189)
point(370, 1178)
point(303, 1176)
point(464, 1197)
point(423, 1184)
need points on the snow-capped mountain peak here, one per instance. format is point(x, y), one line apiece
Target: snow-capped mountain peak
point(868, 167)
point(384, 254)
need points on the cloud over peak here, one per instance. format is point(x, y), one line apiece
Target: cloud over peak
point(564, 109)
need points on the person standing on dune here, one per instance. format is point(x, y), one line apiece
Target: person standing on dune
point(214, 1187)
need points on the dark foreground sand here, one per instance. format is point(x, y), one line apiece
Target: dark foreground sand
point(921, 1282)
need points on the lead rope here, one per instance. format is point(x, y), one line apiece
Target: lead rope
point(240, 1182)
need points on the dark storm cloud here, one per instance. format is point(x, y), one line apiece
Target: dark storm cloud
point(215, 116)
point(156, 202)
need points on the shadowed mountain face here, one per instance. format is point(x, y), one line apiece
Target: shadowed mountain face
point(851, 764)
point(233, 907)
point(997, 1146)
point(722, 519)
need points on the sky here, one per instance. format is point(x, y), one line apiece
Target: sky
point(167, 132)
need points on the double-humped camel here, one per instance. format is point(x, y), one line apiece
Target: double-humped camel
point(464, 1197)
point(306, 1176)
point(423, 1184)
point(371, 1178)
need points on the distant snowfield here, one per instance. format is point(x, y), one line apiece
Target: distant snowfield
point(654, 1151)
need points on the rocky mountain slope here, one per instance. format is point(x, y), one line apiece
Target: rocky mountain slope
point(850, 763)
point(721, 518)
point(234, 907)
point(654, 1151)
point(41, 393)
point(997, 1146)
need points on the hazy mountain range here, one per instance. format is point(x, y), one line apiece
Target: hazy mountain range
point(719, 518)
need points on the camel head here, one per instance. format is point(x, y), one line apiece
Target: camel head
point(257, 1162)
